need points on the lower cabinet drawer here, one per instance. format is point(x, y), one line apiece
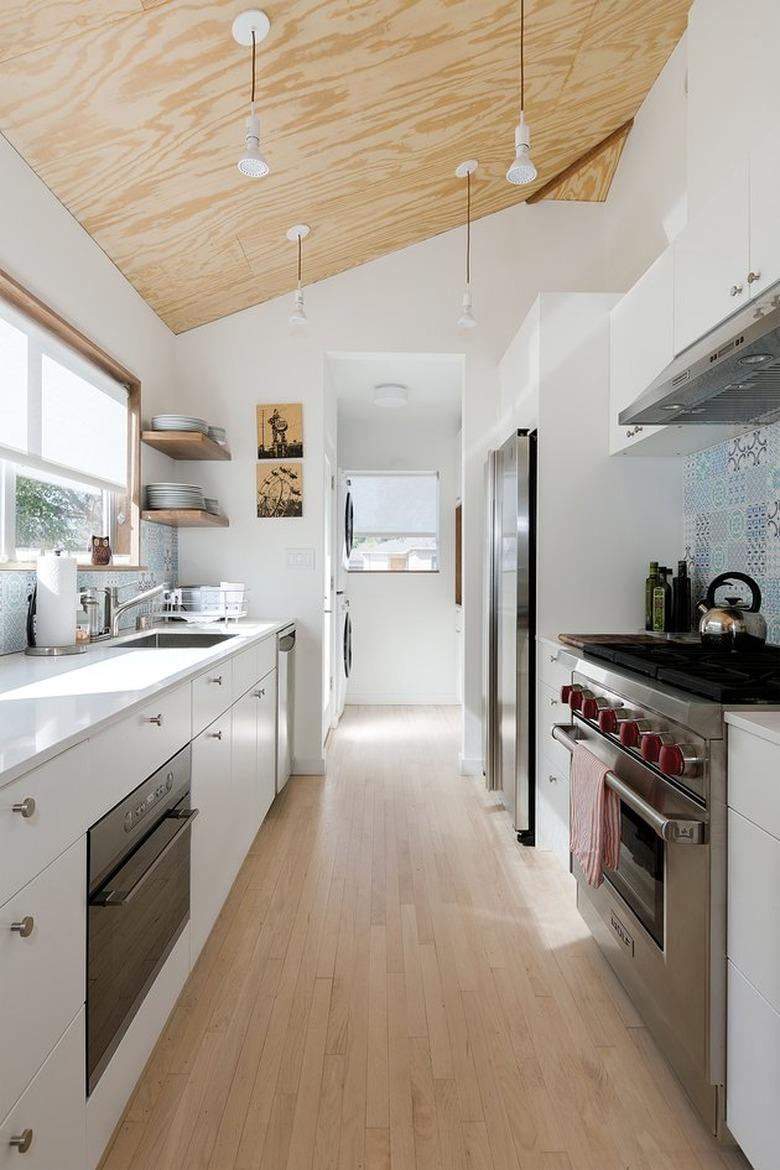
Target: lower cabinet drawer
point(555, 664)
point(753, 1071)
point(126, 753)
point(48, 1122)
point(42, 968)
point(211, 695)
point(266, 656)
point(39, 816)
point(754, 905)
point(244, 671)
point(549, 711)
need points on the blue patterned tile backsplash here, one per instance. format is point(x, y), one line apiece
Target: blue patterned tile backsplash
point(731, 515)
point(159, 553)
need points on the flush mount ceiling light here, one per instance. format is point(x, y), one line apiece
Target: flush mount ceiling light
point(390, 395)
point(466, 169)
point(250, 28)
point(522, 170)
point(296, 235)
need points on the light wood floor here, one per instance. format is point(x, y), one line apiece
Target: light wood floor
point(394, 983)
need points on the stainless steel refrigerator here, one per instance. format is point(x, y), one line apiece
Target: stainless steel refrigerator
point(510, 630)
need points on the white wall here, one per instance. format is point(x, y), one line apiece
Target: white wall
point(404, 639)
point(45, 249)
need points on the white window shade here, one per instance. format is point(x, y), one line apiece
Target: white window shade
point(395, 503)
point(58, 412)
point(83, 426)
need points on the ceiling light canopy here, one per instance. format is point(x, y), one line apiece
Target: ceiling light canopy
point(522, 170)
point(296, 235)
point(250, 28)
point(391, 395)
point(465, 170)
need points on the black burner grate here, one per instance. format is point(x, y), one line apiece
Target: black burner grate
point(750, 676)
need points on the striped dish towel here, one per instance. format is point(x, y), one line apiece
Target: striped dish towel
point(594, 818)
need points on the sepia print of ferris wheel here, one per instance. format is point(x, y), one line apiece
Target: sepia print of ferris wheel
point(279, 490)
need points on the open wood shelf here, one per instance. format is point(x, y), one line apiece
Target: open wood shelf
point(185, 445)
point(185, 518)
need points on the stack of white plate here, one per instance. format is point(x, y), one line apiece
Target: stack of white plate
point(212, 506)
point(174, 495)
point(217, 434)
point(179, 422)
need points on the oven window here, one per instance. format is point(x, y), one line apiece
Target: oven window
point(639, 877)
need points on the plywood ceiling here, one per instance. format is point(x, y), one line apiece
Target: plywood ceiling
point(132, 112)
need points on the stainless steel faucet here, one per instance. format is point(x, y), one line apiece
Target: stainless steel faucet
point(118, 607)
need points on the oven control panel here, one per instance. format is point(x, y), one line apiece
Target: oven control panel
point(666, 746)
point(134, 815)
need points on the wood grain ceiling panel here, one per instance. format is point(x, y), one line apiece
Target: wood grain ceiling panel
point(25, 25)
point(367, 106)
point(588, 179)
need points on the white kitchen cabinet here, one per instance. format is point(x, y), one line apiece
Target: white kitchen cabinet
point(641, 345)
point(753, 1071)
point(711, 262)
point(245, 780)
point(215, 855)
point(48, 1122)
point(553, 810)
point(266, 743)
point(764, 266)
point(42, 930)
point(211, 695)
point(754, 905)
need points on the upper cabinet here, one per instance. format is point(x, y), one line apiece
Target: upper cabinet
point(712, 261)
point(764, 267)
point(641, 345)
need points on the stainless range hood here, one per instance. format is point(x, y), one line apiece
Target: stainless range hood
point(731, 376)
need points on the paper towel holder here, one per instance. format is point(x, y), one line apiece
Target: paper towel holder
point(46, 651)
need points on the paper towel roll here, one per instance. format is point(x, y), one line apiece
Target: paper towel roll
point(55, 623)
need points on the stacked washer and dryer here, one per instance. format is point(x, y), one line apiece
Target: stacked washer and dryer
point(343, 648)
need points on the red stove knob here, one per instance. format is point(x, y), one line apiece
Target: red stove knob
point(611, 718)
point(651, 745)
point(578, 696)
point(677, 759)
point(632, 730)
point(592, 707)
point(566, 693)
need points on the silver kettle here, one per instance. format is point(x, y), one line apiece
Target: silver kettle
point(735, 625)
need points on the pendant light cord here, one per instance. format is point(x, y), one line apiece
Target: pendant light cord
point(522, 55)
point(468, 229)
point(254, 50)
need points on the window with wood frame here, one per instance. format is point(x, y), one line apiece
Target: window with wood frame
point(69, 435)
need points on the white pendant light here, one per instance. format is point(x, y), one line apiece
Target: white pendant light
point(296, 235)
point(467, 320)
point(522, 170)
point(250, 28)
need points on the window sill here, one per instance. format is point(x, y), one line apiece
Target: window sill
point(393, 572)
point(29, 566)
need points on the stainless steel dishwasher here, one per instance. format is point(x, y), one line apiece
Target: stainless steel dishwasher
point(285, 665)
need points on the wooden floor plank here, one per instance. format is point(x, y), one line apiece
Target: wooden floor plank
point(395, 984)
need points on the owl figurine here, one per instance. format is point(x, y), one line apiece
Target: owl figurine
point(101, 550)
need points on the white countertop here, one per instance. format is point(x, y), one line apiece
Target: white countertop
point(764, 724)
point(50, 704)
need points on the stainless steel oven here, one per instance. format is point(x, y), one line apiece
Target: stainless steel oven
point(138, 876)
point(659, 916)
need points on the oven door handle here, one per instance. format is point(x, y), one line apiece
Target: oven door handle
point(122, 897)
point(671, 829)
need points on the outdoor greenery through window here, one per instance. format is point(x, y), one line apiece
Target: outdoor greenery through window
point(63, 445)
point(396, 521)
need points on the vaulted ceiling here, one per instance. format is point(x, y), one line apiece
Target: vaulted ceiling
point(132, 112)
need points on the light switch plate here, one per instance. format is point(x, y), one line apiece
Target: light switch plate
point(300, 558)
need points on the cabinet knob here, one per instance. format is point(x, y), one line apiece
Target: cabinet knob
point(214, 735)
point(553, 658)
point(552, 779)
point(637, 430)
point(22, 1141)
point(735, 290)
point(25, 807)
point(259, 694)
point(155, 719)
point(24, 927)
point(217, 680)
point(553, 702)
point(752, 277)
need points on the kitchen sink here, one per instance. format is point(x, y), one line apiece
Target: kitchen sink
point(163, 640)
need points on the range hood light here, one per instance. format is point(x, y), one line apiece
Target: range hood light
point(673, 406)
point(754, 359)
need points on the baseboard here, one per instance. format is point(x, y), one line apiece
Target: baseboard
point(396, 699)
point(469, 767)
point(308, 766)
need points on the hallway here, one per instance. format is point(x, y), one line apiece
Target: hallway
point(394, 983)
